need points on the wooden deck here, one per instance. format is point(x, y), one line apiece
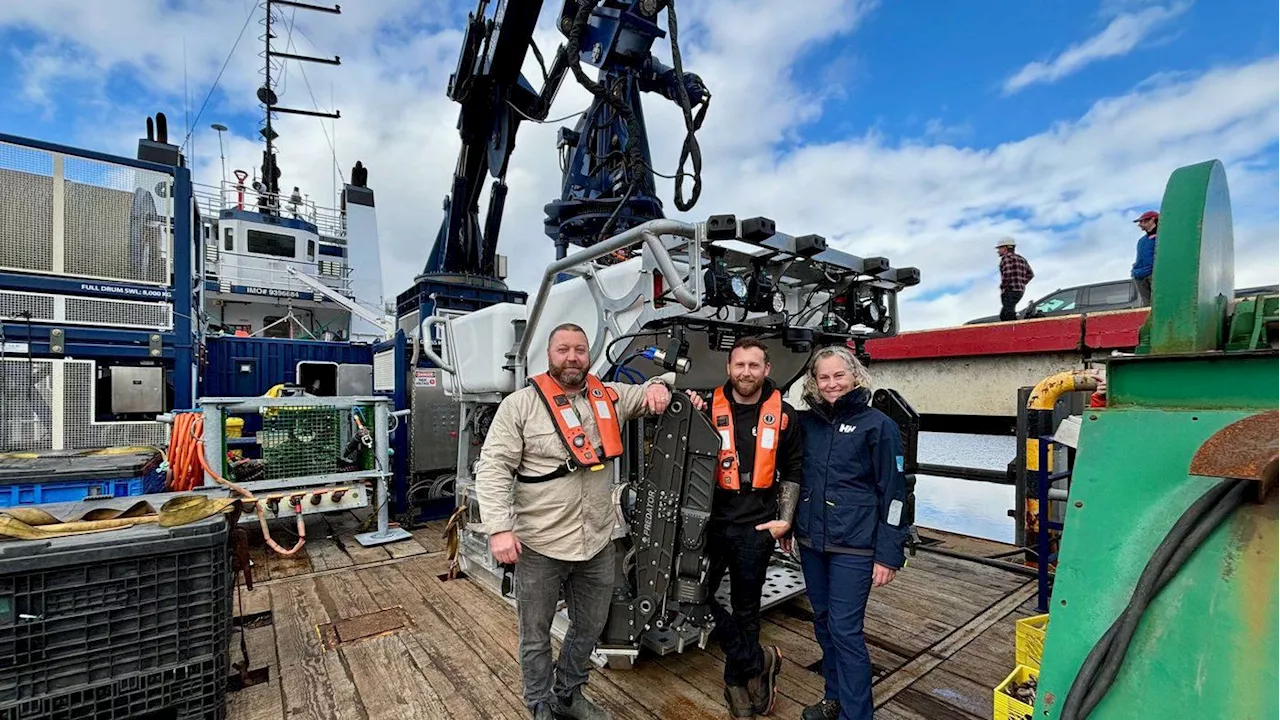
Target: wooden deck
point(941, 636)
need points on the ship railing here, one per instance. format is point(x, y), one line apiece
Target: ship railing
point(78, 213)
point(228, 195)
point(230, 268)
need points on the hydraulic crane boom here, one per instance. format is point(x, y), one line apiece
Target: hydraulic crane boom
point(608, 181)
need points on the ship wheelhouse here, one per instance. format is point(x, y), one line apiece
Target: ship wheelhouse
point(252, 240)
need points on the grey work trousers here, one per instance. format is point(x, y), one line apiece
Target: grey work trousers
point(1144, 290)
point(588, 591)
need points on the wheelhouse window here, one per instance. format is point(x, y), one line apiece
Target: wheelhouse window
point(266, 243)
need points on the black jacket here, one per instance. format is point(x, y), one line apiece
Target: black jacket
point(748, 506)
point(854, 491)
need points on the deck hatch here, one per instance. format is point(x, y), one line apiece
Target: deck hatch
point(360, 627)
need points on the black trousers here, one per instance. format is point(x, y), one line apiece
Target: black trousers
point(1009, 300)
point(743, 552)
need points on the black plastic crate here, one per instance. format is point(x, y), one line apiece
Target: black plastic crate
point(87, 610)
point(187, 692)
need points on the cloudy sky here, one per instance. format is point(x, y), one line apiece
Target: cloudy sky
point(922, 131)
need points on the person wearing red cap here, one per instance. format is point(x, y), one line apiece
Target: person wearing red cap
point(1145, 262)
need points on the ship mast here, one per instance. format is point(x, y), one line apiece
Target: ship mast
point(267, 95)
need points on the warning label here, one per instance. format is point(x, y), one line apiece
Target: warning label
point(424, 378)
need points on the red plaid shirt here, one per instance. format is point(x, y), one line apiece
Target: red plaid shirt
point(1015, 273)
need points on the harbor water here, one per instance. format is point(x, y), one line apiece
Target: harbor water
point(972, 508)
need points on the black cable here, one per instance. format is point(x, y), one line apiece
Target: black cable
point(634, 161)
point(1124, 634)
point(219, 77)
point(608, 349)
point(690, 148)
point(1103, 662)
point(1082, 687)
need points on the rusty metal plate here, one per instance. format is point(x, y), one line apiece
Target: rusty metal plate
point(360, 627)
point(1244, 450)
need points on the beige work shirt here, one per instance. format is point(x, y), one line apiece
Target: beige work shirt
point(569, 518)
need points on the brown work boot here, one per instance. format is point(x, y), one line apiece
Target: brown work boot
point(739, 702)
point(764, 688)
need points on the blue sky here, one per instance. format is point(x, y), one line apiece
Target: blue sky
point(918, 130)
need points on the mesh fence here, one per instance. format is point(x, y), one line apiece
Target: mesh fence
point(81, 431)
point(120, 313)
point(300, 441)
point(16, 304)
point(29, 389)
point(114, 224)
point(26, 208)
point(26, 405)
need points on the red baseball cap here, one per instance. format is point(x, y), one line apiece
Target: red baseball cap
point(1148, 215)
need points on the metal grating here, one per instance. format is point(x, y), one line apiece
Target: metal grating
point(120, 313)
point(117, 221)
point(80, 430)
point(86, 218)
point(300, 441)
point(26, 405)
point(20, 306)
point(384, 371)
point(26, 208)
point(48, 405)
point(84, 311)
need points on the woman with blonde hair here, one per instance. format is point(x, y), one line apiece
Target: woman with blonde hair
point(848, 521)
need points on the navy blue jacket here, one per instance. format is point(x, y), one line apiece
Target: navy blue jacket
point(853, 491)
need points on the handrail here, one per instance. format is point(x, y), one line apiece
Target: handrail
point(273, 272)
point(227, 195)
point(646, 232)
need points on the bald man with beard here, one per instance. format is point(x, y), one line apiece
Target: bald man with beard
point(545, 489)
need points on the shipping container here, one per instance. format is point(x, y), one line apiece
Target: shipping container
point(248, 367)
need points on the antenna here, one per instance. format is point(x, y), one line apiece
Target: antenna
point(267, 95)
point(220, 128)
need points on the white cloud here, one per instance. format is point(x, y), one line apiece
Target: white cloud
point(1068, 193)
point(1124, 33)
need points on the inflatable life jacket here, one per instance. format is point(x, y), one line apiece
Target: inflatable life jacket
point(768, 436)
point(569, 427)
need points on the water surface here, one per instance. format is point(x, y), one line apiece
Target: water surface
point(963, 506)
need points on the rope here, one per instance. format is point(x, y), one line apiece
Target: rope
point(187, 467)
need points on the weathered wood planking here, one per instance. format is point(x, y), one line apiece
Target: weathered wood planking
point(940, 637)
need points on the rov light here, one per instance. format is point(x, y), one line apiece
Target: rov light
point(717, 280)
point(762, 295)
point(872, 313)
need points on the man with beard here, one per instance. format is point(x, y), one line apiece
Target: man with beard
point(757, 488)
point(545, 491)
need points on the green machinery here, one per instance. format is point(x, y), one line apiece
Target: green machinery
point(1165, 600)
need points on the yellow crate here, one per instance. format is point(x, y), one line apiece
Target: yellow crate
point(235, 429)
point(1029, 640)
point(1006, 706)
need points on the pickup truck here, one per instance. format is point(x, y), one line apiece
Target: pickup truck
point(1096, 297)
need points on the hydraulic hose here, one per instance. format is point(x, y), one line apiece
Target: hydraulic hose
point(1103, 662)
point(187, 466)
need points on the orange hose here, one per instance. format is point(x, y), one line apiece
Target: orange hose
point(186, 452)
point(188, 466)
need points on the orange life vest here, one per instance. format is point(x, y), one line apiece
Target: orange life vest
point(570, 427)
point(768, 436)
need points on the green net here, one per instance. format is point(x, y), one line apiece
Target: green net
point(306, 441)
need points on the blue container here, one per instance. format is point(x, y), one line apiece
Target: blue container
point(69, 491)
point(248, 367)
